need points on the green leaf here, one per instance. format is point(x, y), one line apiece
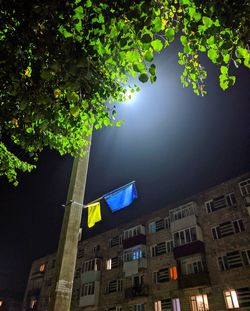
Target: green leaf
point(143, 77)
point(78, 11)
point(157, 45)
point(226, 58)
point(210, 40)
point(64, 32)
point(224, 70)
point(149, 55)
point(170, 34)
point(183, 40)
point(156, 23)
point(75, 111)
point(185, 2)
point(152, 69)
point(88, 3)
point(212, 54)
point(241, 52)
point(207, 21)
point(197, 16)
point(133, 56)
point(139, 67)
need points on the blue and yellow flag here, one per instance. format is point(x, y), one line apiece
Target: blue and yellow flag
point(94, 214)
point(121, 197)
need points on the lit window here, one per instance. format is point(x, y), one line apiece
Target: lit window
point(168, 304)
point(176, 304)
point(1, 303)
point(108, 264)
point(42, 268)
point(199, 303)
point(173, 273)
point(231, 299)
point(33, 303)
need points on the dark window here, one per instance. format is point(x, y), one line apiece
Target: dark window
point(243, 295)
point(159, 225)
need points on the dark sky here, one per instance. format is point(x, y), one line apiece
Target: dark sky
point(173, 143)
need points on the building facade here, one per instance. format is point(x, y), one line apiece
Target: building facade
point(192, 256)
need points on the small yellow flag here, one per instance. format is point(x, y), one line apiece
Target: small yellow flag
point(94, 214)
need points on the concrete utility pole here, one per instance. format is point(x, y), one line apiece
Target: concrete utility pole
point(67, 250)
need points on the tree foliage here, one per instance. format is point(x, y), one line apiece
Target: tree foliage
point(65, 63)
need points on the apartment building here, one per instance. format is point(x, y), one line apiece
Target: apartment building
point(191, 256)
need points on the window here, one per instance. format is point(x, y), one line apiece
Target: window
point(114, 241)
point(159, 225)
point(168, 305)
point(88, 289)
point(138, 280)
point(96, 249)
point(137, 307)
point(162, 248)
point(227, 228)
point(220, 202)
point(133, 254)
point(133, 232)
point(161, 276)
point(163, 305)
point(185, 236)
point(234, 259)
point(109, 264)
point(117, 308)
point(152, 227)
point(173, 273)
point(238, 226)
point(91, 265)
point(114, 286)
point(176, 304)
point(182, 211)
point(112, 263)
point(245, 187)
point(192, 265)
point(199, 303)
point(243, 295)
point(42, 268)
point(231, 299)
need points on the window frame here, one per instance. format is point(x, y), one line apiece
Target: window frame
point(246, 192)
point(195, 304)
point(231, 299)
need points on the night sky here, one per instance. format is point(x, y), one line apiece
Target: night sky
point(173, 143)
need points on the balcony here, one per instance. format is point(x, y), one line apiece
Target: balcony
point(189, 249)
point(133, 241)
point(136, 291)
point(194, 280)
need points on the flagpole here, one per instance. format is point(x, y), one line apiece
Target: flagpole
point(116, 190)
point(61, 293)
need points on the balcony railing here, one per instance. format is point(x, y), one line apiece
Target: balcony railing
point(194, 280)
point(136, 291)
point(189, 249)
point(133, 241)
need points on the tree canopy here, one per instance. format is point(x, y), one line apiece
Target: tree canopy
point(65, 63)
